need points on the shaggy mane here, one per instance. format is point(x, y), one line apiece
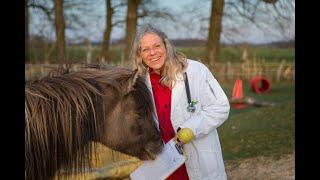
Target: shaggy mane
point(58, 107)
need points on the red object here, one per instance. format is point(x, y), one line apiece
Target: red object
point(162, 100)
point(260, 84)
point(237, 94)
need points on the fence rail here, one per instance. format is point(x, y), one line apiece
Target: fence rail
point(224, 72)
point(282, 71)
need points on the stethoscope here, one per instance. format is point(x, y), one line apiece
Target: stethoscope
point(191, 104)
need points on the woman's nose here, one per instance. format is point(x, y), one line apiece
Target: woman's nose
point(152, 51)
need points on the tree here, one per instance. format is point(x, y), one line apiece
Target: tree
point(142, 10)
point(75, 14)
point(131, 25)
point(238, 14)
point(213, 42)
point(106, 36)
point(270, 1)
point(40, 12)
point(60, 30)
point(260, 13)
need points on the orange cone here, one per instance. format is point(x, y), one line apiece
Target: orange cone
point(237, 95)
point(237, 92)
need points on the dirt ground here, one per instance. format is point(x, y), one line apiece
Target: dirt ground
point(259, 168)
point(262, 168)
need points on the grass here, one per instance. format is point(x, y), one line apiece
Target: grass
point(228, 53)
point(272, 53)
point(234, 54)
point(264, 131)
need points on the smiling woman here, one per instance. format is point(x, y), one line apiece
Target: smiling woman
point(153, 51)
point(155, 58)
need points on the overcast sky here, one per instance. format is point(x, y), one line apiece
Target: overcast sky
point(187, 27)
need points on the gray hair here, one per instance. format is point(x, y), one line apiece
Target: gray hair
point(175, 62)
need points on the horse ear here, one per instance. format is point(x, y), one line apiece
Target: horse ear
point(132, 81)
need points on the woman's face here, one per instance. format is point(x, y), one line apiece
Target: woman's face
point(153, 51)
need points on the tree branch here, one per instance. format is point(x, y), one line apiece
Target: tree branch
point(44, 9)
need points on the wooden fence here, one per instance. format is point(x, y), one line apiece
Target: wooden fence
point(276, 72)
point(224, 72)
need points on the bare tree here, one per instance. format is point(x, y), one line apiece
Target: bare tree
point(239, 14)
point(143, 10)
point(270, 1)
point(112, 19)
point(260, 13)
point(213, 42)
point(75, 14)
point(42, 5)
point(152, 10)
point(106, 36)
point(39, 12)
point(60, 30)
point(60, 26)
point(131, 25)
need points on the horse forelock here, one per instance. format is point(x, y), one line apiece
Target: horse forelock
point(57, 110)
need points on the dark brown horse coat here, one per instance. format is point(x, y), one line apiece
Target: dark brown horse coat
point(66, 111)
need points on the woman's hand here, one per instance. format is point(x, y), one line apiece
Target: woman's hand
point(184, 136)
point(175, 138)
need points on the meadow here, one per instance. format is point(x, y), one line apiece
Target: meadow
point(260, 131)
point(234, 53)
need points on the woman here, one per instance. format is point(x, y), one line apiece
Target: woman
point(154, 57)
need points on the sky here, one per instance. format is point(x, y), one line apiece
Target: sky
point(187, 26)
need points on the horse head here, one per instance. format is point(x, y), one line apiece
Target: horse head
point(130, 127)
point(66, 111)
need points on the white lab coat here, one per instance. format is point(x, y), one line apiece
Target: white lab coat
point(204, 152)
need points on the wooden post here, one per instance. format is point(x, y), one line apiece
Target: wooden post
point(279, 70)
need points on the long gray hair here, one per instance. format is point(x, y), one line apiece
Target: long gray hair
point(175, 62)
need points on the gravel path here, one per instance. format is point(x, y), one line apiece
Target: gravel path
point(262, 168)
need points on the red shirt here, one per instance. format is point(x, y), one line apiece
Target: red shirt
point(162, 100)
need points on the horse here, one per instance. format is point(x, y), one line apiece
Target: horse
point(67, 110)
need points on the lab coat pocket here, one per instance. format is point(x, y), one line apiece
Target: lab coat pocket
point(210, 164)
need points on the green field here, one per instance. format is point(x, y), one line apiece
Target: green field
point(233, 54)
point(228, 53)
point(264, 131)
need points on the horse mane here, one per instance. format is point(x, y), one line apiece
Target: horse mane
point(58, 107)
